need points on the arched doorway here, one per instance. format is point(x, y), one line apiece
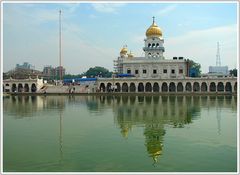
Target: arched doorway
point(220, 87)
point(102, 87)
point(109, 86)
point(212, 87)
point(179, 87)
point(188, 87)
point(132, 87)
point(140, 87)
point(172, 87)
point(118, 87)
point(33, 87)
point(148, 87)
point(6, 88)
point(155, 87)
point(228, 87)
point(26, 88)
point(204, 87)
point(20, 87)
point(164, 87)
point(196, 87)
point(14, 88)
point(124, 87)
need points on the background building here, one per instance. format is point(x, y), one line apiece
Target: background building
point(59, 72)
point(50, 72)
point(25, 65)
point(220, 70)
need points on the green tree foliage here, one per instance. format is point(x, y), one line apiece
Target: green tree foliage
point(69, 76)
point(233, 72)
point(195, 65)
point(98, 71)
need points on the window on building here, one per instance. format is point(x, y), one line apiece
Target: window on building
point(149, 45)
point(173, 71)
point(164, 71)
point(129, 71)
point(144, 71)
point(180, 71)
point(154, 71)
point(136, 71)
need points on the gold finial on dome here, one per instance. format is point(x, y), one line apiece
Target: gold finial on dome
point(153, 30)
point(124, 50)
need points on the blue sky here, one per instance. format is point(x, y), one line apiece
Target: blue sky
point(93, 33)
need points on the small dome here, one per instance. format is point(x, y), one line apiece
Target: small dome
point(124, 50)
point(130, 55)
point(153, 30)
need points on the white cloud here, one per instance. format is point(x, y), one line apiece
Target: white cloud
point(200, 45)
point(107, 7)
point(166, 10)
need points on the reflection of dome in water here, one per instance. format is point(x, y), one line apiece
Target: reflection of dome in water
point(125, 127)
point(154, 136)
point(124, 132)
point(154, 150)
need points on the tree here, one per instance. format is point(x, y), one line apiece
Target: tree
point(70, 76)
point(233, 72)
point(98, 72)
point(195, 66)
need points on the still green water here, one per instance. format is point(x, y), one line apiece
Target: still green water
point(119, 133)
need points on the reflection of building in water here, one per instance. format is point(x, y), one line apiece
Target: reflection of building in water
point(54, 102)
point(28, 106)
point(23, 106)
point(153, 112)
point(154, 133)
point(175, 111)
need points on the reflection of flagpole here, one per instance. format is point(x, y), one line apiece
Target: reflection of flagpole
point(60, 137)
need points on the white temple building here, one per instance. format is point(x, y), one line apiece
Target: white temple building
point(154, 64)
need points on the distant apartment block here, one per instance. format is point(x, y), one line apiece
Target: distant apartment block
point(25, 65)
point(50, 72)
point(59, 71)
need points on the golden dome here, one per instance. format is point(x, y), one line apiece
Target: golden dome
point(130, 55)
point(124, 50)
point(153, 30)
